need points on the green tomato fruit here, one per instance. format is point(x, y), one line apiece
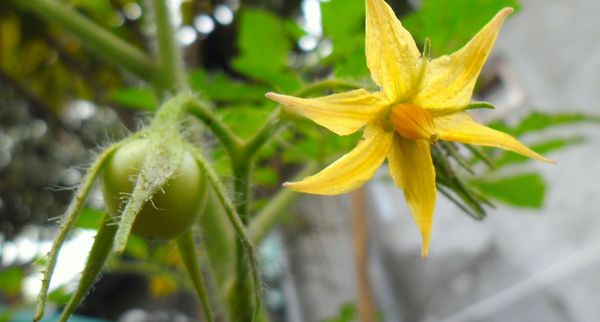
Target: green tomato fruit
point(172, 210)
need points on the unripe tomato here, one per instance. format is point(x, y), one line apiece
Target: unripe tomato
point(173, 209)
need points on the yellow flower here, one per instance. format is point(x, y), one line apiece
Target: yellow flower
point(421, 101)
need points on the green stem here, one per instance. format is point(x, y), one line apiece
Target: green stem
point(105, 44)
point(172, 74)
point(251, 313)
point(242, 289)
point(187, 251)
point(95, 262)
point(253, 145)
point(68, 221)
point(223, 133)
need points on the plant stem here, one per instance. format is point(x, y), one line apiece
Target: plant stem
point(187, 251)
point(246, 311)
point(68, 221)
point(230, 140)
point(105, 44)
point(171, 76)
point(95, 262)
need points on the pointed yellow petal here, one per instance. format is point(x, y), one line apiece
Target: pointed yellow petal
point(461, 128)
point(342, 114)
point(395, 164)
point(353, 169)
point(447, 85)
point(413, 165)
point(391, 52)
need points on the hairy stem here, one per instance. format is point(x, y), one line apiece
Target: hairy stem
point(241, 233)
point(224, 134)
point(95, 262)
point(68, 221)
point(187, 251)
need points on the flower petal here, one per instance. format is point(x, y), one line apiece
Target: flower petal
point(447, 85)
point(460, 127)
point(392, 54)
point(353, 169)
point(413, 165)
point(343, 113)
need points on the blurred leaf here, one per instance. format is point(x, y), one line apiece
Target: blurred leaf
point(10, 280)
point(219, 87)
point(264, 47)
point(538, 121)
point(542, 148)
point(523, 190)
point(137, 247)
point(90, 218)
point(450, 24)
point(347, 35)
point(348, 313)
point(60, 296)
point(135, 98)
point(266, 176)
point(245, 120)
point(10, 38)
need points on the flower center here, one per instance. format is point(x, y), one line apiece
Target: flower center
point(413, 122)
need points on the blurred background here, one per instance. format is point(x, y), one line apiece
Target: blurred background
point(534, 257)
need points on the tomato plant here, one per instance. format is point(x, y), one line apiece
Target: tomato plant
point(172, 209)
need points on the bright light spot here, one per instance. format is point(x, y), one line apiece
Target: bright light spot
point(9, 254)
point(70, 177)
point(132, 11)
point(78, 111)
point(308, 43)
point(325, 48)
point(204, 24)
point(38, 128)
point(174, 6)
point(134, 315)
point(312, 17)
point(223, 14)
point(186, 35)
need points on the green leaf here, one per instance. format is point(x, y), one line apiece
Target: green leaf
point(10, 280)
point(90, 218)
point(347, 35)
point(219, 87)
point(135, 98)
point(264, 47)
point(60, 296)
point(245, 120)
point(137, 247)
point(538, 121)
point(524, 190)
point(347, 313)
point(452, 23)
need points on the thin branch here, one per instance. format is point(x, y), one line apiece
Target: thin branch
point(104, 43)
point(68, 222)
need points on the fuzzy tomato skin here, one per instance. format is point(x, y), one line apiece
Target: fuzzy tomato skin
point(172, 210)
